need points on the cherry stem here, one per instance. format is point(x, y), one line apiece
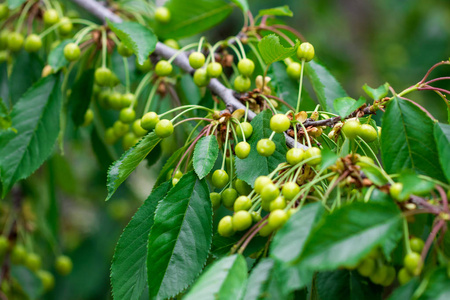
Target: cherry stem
point(444, 197)
point(288, 28)
point(281, 100)
point(431, 238)
point(432, 68)
point(248, 240)
point(432, 88)
point(424, 203)
point(193, 119)
point(247, 234)
point(437, 79)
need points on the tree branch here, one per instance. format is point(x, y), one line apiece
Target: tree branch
point(182, 61)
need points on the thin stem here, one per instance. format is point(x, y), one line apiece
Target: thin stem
point(235, 51)
point(238, 41)
point(406, 236)
point(182, 50)
point(300, 86)
point(258, 56)
point(431, 238)
point(432, 68)
point(225, 146)
point(127, 75)
point(200, 43)
point(104, 48)
point(143, 82)
point(23, 15)
point(306, 134)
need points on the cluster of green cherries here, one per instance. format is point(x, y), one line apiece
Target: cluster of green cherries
point(13, 41)
point(18, 255)
point(352, 129)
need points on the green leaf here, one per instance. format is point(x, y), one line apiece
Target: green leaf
point(36, 119)
point(347, 235)
point(122, 168)
point(5, 118)
point(346, 285)
point(81, 96)
point(290, 240)
point(128, 268)
point(276, 11)
point(180, 238)
point(242, 4)
point(442, 138)
point(326, 87)
point(378, 93)
point(137, 37)
point(375, 175)
point(412, 184)
point(225, 279)
point(346, 105)
point(405, 291)
point(28, 281)
point(259, 278)
point(438, 286)
point(187, 90)
point(271, 49)
point(205, 155)
point(329, 158)
point(287, 89)
point(4, 89)
point(192, 17)
point(26, 71)
point(56, 58)
point(407, 141)
point(13, 4)
point(256, 165)
point(169, 165)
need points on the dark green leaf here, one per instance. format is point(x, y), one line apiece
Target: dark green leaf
point(287, 89)
point(347, 235)
point(192, 17)
point(180, 238)
point(205, 155)
point(438, 287)
point(4, 89)
point(407, 141)
point(327, 88)
point(442, 138)
point(81, 96)
point(137, 37)
point(242, 4)
point(28, 281)
point(271, 49)
point(36, 119)
point(378, 93)
point(256, 165)
point(276, 11)
point(128, 268)
point(13, 4)
point(346, 285)
point(5, 118)
point(288, 243)
point(405, 291)
point(122, 168)
point(346, 105)
point(56, 58)
point(225, 279)
point(26, 71)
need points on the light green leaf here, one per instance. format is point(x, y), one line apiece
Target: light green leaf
point(378, 93)
point(205, 155)
point(346, 105)
point(180, 238)
point(271, 49)
point(375, 175)
point(438, 287)
point(27, 70)
point(128, 268)
point(36, 119)
point(442, 138)
point(56, 58)
point(407, 141)
point(255, 165)
point(412, 184)
point(259, 278)
point(327, 88)
point(80, 97)
point(192, 17)
point(122, 168)
point(225, 279)
point(137, 37)
point(329, 158)
point(288, 243)
point(28, 281)
point(276, 11)
point(346, 285)
point(242, 4)
point(347, 235)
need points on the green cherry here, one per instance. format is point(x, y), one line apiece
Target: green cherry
point(33, 43)
point(277, 218)
point(220, 179)
point(229, 196)
point(51, 17)
point(279, 123)
point(246, 67)
point(124, 50)
point(196, 60)
point(305, 51)
point(163, 68)
point(201, 78)
point(72, 52)
point(162, 15)
point(246, 127)
point(265, 147)
point(149, 120)
point(242, 220)
point(214, 69)
point(295, 156)
point(351, 129)
point(368, 133)
point(164, 128)
point(63, 265)
point(225, 227)
point(290, 190)
point(242, 83)
point(313, 152)
point(261, 182)
point(103, 76)
point(242, 203)
point(242, 150)
point(293, 70)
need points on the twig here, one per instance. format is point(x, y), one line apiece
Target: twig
point(431, 238)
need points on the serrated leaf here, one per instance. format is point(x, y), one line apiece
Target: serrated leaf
point(128, 268)
point(407, 141)
point(347, 235)
point(13, 4)
point(205, 155)
point(346, 105)
point(326, 87)
point(346, 285)
point(122, 168)
point(289, 241)
point(442, 138)
point(28, 281)
point(287, 89)
point(282, 11)
point(26, 71)
point(378, 93)
point(271, 49)
point(438, 286)
point(225, 279)
point(242, 4)
point(255, 165)
point(56, 58)
point(80, 97)
point(5, 118)
point(180, 238)
point(137, 37)
point(36, 118)
point(191, 17)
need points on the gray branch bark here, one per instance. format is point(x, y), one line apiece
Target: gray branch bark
point(182, 61)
